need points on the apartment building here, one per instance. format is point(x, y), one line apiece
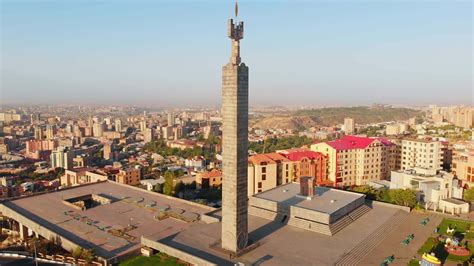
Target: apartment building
point(349, 125)
point(428, 153)
point(396, 129)
point(354, 160)
point(130, 176)
point(309, 164)
point(463, 162)
point(266, 171)
point(40, 149)
point(460, 116)
point(62, 157)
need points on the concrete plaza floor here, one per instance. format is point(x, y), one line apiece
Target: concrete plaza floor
point(281, 244)
point(132, 208)
point(392, 244)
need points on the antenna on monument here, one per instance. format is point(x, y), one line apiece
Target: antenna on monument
point(236, 8)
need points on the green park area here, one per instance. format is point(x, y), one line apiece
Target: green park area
point(461, 230)
point(157, 259)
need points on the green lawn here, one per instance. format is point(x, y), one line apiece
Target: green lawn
point(414, 262)
point(431, 245)
point(460, 225)
point(158, 259)
point(427, 246)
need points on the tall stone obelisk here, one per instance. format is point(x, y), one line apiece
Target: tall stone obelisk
point(235, 93)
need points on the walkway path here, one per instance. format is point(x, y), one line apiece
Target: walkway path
point(392, 243)
point(372, 241)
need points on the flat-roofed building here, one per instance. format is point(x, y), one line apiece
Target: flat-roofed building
point(426, 153)
point(129, 176)
point(111, 135)
point(105, 208)
point(9, 117)
point(349, 125)
point(38, 133)
point(149, 135)
point(319, 209)
point(50, 131)
point(98, 129)
point(432, 187)
point(396, 129)
point(81, 176)
point(62, 157)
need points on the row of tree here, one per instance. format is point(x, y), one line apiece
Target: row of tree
point(469, 195)
point(173, 187)
point(402, 197)
point(273, 144)
point(160, 147)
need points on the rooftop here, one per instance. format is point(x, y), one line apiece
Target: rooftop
point(282, 244)
point(132, 210)
point(355, 142)
point(326, 200)
point(298, 155)
point(455, 201)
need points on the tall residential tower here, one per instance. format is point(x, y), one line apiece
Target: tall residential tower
point(235, 145)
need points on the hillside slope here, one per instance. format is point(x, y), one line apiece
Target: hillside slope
point(305, 119)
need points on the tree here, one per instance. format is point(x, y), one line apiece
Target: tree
point(403, 197)
point(370, 192)
point(158, 188)
point(383, 195)
point(191, 186)
point(469, 195)
point(76, 252)
point(88, 255)
point(180, 187)
point(169, 183)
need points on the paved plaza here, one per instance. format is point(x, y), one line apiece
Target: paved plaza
point(282, 244)
point(132, 211)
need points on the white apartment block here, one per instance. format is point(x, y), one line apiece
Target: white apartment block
point(422, 153)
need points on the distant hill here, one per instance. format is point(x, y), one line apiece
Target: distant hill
point(304, 119)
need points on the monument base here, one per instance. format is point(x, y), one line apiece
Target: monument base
point(217, 246)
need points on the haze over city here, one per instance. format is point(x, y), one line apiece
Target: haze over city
point(236, 133)
point(170, 53)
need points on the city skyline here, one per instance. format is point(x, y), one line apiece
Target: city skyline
point(149, 178)
point(345, 53)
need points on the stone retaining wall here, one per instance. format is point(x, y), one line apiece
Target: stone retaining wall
point(175, 252)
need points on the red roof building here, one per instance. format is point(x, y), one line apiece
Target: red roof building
point(354, 160)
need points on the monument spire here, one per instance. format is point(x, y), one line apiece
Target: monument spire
point(235, 92)
point(236, 9)
point(235, 33)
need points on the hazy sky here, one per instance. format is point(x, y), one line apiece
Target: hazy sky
point(299, 52)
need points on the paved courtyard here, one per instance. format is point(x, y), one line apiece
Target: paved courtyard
point(131, 208)
point(392, 244)
point(286, 245)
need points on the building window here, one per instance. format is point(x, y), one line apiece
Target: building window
point(259, 185)
point(264, 177)
point(264, 169)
